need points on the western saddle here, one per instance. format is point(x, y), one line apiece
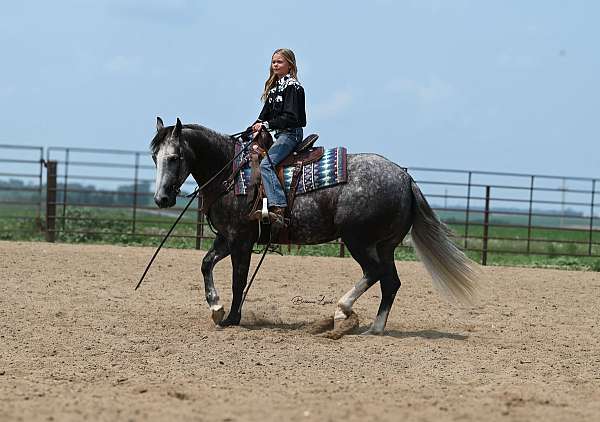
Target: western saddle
point(304, 154)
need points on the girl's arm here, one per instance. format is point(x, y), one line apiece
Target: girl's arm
point(263, 113)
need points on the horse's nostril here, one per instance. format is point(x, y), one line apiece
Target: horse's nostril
point(161, 201)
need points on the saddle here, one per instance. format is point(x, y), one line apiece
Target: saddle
point(303, 155)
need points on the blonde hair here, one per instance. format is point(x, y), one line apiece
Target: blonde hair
point(289, 56)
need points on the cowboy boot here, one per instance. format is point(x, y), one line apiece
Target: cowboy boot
point(277, 217)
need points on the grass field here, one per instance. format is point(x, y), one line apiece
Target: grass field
point(548, 247)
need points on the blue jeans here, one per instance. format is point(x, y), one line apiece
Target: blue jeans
point(286, 141)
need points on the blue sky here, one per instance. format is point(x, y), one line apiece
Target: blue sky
point(482, 85)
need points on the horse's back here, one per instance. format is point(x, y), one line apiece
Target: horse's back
point(377, 197)
point(373, 180)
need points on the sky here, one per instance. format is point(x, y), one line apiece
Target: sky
point(479, 85)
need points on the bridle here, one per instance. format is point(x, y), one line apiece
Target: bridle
point(228, 184)
point(193, 195)
point(178, 180)
point(176, 186)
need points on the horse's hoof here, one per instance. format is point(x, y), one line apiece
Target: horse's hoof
point(229, 321)
point(217, 313)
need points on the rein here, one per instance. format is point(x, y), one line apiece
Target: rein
point(193, 196)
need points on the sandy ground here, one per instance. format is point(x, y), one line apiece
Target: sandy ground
point(78, 343)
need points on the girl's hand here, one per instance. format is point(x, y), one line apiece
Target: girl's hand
point(256, 127)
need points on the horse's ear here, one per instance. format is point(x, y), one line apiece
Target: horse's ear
point(178, 127)
point(159, 124)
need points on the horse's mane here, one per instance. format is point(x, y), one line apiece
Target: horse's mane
point(197, 132)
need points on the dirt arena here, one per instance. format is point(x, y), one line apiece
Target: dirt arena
point(78, 343)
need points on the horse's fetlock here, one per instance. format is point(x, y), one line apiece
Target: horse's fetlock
point(344, 307)
point(212, 298)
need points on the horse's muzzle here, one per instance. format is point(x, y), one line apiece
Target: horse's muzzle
point(165, 201)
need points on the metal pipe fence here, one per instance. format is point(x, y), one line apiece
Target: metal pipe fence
point(107, 195)
point(21, 194)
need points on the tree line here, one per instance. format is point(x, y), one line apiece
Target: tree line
point(18, 190)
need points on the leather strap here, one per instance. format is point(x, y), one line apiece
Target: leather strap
point(293, 187)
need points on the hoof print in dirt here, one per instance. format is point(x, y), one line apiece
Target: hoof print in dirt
point(319, 327)
point(326, 328)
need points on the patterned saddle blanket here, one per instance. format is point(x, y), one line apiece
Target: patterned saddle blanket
point(328, 171)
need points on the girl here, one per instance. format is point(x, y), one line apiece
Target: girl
point(283, 113)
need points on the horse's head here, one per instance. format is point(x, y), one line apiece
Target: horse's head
point(169, 155)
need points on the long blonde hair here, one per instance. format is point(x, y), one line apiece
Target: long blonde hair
point(290, 57)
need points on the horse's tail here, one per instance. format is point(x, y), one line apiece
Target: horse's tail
point(454, 275)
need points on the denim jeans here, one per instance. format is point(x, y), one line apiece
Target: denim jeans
point(286, 141)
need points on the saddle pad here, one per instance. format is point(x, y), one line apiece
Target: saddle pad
point(330, 170)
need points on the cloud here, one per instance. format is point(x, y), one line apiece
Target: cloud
point(333, 106)
point(429, 92)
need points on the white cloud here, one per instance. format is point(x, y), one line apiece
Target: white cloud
point(333, 106)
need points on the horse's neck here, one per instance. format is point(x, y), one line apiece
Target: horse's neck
point(211, 151)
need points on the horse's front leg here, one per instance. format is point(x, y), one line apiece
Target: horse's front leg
point(241, 253)
point(218, 251)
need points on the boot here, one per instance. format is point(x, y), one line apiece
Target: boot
point(276, 215)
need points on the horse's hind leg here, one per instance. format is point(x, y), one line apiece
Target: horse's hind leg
point(389, 283)
point(219, 250)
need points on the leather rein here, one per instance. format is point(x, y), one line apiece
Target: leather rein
point(193, 195)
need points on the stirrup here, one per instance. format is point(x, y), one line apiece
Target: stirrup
point(264, 213)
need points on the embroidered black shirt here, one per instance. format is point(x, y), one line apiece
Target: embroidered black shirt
point(284, 107)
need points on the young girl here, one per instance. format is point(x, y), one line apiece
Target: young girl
point(283, 113)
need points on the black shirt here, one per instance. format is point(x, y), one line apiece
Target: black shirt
point(284, 107)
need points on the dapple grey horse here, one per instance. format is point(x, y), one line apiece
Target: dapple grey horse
point(371, 213)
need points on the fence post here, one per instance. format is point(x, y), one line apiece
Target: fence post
point(592, 217)
point(199, 224)
point(342, 249)
point(50, 201)
point(40, 191)
point(467, 211)
point(486, 222)
point(135, 189)
point(530, 214)
point(64, 198)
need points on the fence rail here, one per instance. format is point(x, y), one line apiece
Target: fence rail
point(98, 194)
point(21, 190)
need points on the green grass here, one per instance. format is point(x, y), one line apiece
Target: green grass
point(18, 222)
point(111, 226)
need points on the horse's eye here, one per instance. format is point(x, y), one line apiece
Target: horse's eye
point(172, 158)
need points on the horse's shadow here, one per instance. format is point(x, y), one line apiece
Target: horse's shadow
point(263, 323)
point(424, 334)
point(272, 325)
